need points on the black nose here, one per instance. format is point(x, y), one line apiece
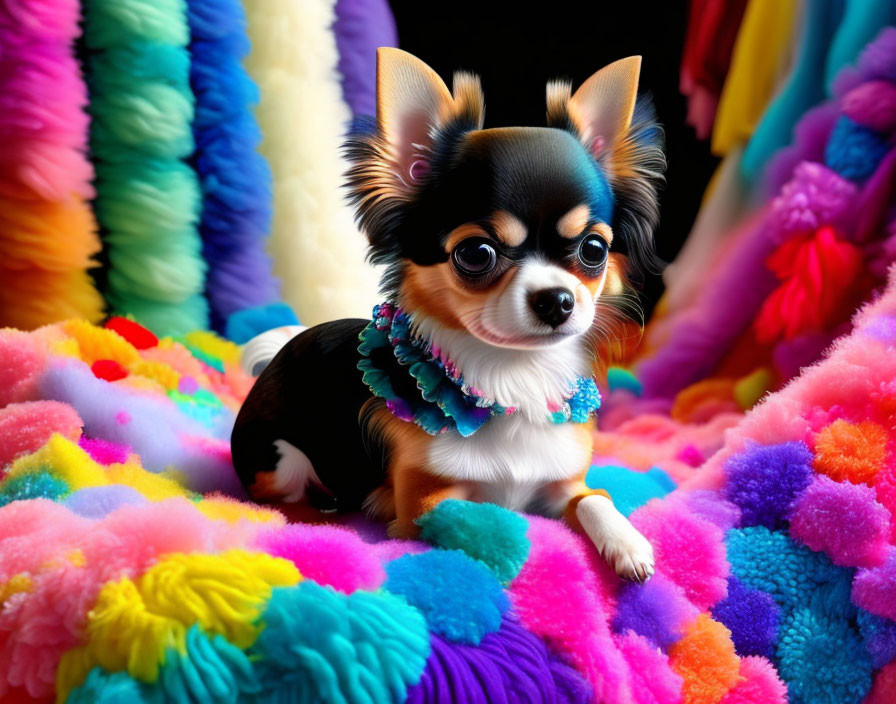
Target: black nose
point(552, 305)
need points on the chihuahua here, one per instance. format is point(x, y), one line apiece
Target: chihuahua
point(504, 250)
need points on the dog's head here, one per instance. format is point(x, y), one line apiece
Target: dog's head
point(512, 234)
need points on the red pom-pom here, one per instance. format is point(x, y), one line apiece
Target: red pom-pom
point(137, 335)
point(108, 369)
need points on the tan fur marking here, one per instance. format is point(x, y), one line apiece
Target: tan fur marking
point(509, 228)
point(462, 232)
point(411, 490)
point(574, 222)
point(435, 291)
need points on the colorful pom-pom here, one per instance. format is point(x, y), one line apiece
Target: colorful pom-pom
point(853, 452)
point(706, 661)
point(136, 334)
point(759, 684)
point(844, 520)
point(751, 616)
point(485, 532)
point(459, 596)
point(763, 480)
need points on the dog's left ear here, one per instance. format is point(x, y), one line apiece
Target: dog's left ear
point(621, 133)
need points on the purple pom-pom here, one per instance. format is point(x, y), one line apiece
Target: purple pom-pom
point(657, 610)
point(752, 617)
point(844, 520)
point(764, 480)
point(815, 196)
point(873, 105)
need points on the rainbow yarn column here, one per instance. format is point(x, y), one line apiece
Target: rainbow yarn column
point(148, 198)
point(235, 180)
point(47, 232)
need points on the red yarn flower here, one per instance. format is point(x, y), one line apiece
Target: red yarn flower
point(821, 277)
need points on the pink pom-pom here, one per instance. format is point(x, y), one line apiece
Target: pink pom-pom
point(21, 361)
point(105, 451)
point(874, 589)
point(330, 555)
point(873, 105)
point(842, 519)
point(25, 427)
point(653, 681)
point(558, 597)
point(688, 549)
point(760, 684)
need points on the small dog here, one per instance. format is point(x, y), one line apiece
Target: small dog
point(504, 249)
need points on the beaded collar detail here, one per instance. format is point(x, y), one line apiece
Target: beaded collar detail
point(443, 401)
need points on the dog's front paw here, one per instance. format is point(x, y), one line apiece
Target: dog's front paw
point(632, 557)
point(616, 539)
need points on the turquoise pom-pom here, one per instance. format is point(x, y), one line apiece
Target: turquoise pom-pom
point(459, 596)
point(40, 485)
point(319, 645)
point(630, 489)
point(485, 532)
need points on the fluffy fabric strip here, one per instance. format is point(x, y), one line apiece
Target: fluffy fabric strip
point(49, 238)
point(317, 250)
point(148, 197)
point(235, 180)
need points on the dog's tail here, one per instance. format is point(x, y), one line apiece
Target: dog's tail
point(258, 352)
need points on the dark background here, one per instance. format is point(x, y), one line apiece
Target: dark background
point(516, 51)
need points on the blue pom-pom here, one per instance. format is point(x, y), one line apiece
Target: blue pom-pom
point(243, 325)
point(822, 659)
point(763, 480)
point(791, 573)
point(751, 616)
point(619, 378)
point(459, 596)
point(853, 150)
point(485, 532)
point(630, 489)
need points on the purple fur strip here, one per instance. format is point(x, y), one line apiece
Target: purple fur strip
point(810, 138)
point(361, 27)
point(510, 666)
point(705, 333)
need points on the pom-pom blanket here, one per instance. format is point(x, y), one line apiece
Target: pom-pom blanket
point(128, 572)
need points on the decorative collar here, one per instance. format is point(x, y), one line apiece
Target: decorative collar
point(443, 401)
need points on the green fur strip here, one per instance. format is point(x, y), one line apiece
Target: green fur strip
point(148, 198)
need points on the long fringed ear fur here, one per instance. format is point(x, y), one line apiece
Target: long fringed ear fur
point(621, 133)
point(415, 114)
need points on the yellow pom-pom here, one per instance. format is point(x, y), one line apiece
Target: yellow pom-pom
point(134, 622)
point(99, 343)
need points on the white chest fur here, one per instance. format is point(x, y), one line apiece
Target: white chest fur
point(510, 458)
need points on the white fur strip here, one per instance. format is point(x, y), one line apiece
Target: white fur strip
point(318, 252)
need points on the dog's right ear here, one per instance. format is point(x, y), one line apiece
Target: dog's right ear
point(414, 110)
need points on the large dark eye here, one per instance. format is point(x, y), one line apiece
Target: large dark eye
point(474, 257)
point(593, 251)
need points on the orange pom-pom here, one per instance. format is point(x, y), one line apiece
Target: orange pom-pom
point(706, 660)
point(853, 452)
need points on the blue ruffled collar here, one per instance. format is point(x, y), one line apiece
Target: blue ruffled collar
point(445, 402)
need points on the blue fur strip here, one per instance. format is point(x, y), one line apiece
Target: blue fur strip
point(235, 179)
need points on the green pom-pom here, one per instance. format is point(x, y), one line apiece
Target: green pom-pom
point(485, 532)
